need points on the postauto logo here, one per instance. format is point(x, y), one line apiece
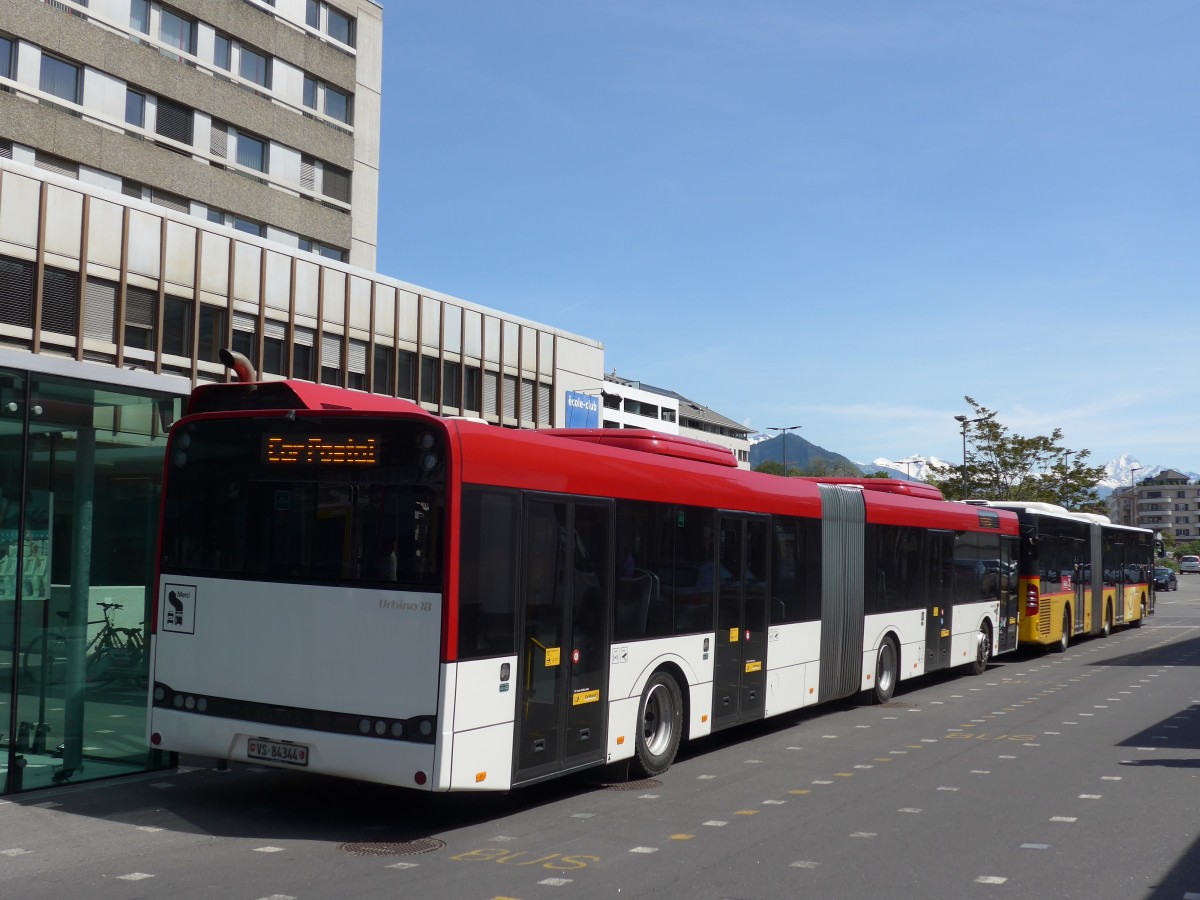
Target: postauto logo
point(582, 411)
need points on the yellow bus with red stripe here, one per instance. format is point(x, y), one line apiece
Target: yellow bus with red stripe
point(1079, 574)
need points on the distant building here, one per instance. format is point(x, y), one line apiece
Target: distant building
point(634, 404)
point(1168, 503)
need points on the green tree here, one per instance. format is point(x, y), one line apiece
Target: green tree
point(1001, 465)
point(820, 467)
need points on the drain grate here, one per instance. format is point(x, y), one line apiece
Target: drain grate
point(391, 848)
point(640, 785)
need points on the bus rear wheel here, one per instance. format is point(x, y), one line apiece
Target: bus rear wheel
point(887, 668)
point(660, 725)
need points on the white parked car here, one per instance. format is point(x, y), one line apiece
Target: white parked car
point(1189, 565)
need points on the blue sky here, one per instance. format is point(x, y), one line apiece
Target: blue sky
point(845, 215)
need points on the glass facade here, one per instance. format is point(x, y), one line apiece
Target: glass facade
point(80, 476)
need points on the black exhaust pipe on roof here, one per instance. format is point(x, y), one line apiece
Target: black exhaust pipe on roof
point(242, 367)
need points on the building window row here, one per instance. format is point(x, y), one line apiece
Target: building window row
point(179, 124)
point(174, 33)
point(229, 54)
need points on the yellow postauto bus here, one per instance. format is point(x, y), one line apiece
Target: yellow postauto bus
point(1079, 574)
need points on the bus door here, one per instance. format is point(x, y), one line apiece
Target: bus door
point(1010, 596)
point(939, 600)
point(740, 660)
point(1080, 578)
point(564, 636)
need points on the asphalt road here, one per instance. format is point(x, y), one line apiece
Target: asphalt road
point(1068, 775)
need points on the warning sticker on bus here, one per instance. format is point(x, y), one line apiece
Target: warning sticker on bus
point(277, 751)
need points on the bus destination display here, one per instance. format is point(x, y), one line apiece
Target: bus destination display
point(321, 450)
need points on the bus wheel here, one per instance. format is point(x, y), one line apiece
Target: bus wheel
point(983, 651)
point(1065, 641)
point(1106, 628)
point(887, 666)
point(1137, 623)
point(660, 725)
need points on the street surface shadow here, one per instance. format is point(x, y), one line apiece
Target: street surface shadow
point(253, 801)
point(1184, 653)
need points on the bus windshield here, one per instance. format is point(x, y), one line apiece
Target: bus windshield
point(328, 500)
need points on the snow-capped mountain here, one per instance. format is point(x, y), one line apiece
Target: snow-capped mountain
point(915, 467)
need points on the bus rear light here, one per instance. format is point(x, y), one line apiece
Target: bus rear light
point(156, 739)
point(420, 778)
point(1031, 601)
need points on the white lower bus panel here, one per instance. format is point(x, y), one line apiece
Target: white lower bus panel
point(479, 709)
point(793, 669)
point(630, 666)
point(908, 627)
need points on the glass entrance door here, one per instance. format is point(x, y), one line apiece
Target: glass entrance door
point(80, 473)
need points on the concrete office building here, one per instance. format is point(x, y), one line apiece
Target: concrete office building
point(175, 178)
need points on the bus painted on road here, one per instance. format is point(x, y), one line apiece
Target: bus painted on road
point(352, 586)
point(1080, 574)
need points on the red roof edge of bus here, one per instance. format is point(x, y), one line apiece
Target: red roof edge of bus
point(888, 486)
point(649, 442)
point(309, 395)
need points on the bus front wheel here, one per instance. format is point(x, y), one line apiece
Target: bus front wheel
point(1106, 628)
point(983, 651)
point(660, 725)
point(1065, 641)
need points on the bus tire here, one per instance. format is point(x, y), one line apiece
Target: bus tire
point(983, 649)
point(660, 725)
point(887, 670)
point(1064, 642)
point(1137, 623)
point(1106, 627)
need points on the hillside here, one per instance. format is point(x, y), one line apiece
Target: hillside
point(799, 452)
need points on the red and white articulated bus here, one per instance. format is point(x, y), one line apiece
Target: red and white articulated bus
point(352, 586)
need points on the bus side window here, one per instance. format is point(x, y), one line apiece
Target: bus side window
point(490, 550)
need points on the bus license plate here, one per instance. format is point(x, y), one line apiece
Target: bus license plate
point(277, 752)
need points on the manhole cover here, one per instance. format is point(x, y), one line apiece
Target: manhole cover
point(640, 785)
point(391, 848)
